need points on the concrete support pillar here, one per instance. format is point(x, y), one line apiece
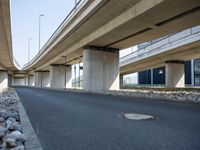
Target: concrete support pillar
point(3, 79)
point(31, 80)
point(121, 81)
point(101, 68)
point(10, 80)
point(152, 77)
point(68, 77)
point(42, 79)
point(175, 75)
point(26, 80)
point(60, 76)
point(57, 76)
point(192, 72)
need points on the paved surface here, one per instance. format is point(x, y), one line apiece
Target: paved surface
point(77, 121)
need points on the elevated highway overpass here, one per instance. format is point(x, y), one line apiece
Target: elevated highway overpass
point(98, 29)
point(172, 49)
point(6, 54)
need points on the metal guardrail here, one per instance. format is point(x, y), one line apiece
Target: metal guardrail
point(54, 35)
point(161, 45)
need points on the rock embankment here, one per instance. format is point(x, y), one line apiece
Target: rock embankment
point(11, 136)
point(170, 95)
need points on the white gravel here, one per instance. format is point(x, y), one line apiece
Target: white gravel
point(11, 136)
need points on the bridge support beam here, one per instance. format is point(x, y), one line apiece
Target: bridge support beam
point(3, 79)
point(101, 68)
point(175, 75)
point(42, 79)
point(60, 76)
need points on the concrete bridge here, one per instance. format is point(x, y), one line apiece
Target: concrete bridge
point(181, 47)
point(95, 33)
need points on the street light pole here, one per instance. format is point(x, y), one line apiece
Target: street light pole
point(41, 15)
point(29, 46)
point(75, 3)
point(65, 63)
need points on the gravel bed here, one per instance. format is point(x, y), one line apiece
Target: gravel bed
point(170, 95)
point(11, 136)
point(189, 95)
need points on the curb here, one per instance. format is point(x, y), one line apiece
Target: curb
point(32, 142)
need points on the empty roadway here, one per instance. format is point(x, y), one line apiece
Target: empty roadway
point(80, 121)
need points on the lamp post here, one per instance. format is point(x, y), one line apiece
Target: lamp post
point(29, 46)
point(65, 63)
point(75, 4)
point(41, 15)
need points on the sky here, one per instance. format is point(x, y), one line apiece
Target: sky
point(25, 24)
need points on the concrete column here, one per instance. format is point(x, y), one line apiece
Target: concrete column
point(10, 80)
point(121, 81)
point(68, 77)
point(26, 80)
point(60, 76)
point(174, 74)
point(57, 76)
point(192, 72)
point(101, 69)
point(30, 80)
point(152, 77)
point(42, 79)
point(3, 79)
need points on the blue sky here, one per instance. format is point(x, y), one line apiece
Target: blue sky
point(25, 23)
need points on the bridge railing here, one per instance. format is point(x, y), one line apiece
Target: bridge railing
point(169, 42)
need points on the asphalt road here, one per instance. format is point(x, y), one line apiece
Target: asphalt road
point(77, 121)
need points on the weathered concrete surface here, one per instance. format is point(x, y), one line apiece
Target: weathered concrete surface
point(174, 74)
point(3, 79)
point(42, 79)
point(57, 76)
point(101, 70)
point(10, 79)
point(68, 77)
point(31, 80)
point(60, 76)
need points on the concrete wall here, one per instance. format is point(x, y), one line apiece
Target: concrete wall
point(101, 70)
point(175, 76)
point(3, 79)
